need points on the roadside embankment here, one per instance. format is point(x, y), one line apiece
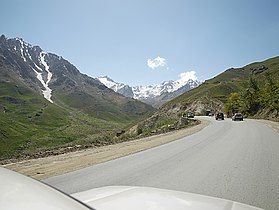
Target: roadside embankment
point(43, 168)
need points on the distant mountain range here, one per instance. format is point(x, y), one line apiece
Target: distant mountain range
point(155, 95)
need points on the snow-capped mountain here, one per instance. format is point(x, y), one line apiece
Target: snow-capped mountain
point(60, 82)
point(154, 95)
point(121, 88)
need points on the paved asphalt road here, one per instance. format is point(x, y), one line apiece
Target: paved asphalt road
point(232, 160)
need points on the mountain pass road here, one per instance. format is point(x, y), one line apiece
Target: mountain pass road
point(238, 161)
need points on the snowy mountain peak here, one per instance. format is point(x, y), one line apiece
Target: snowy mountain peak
point(108, 82)
point(151, 92)
point(117, 87)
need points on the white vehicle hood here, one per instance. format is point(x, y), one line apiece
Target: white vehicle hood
point(145, 198)
point(20, 192)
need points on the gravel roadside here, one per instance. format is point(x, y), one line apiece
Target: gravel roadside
point(46, 167)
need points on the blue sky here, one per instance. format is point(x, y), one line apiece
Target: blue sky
point(145, 42)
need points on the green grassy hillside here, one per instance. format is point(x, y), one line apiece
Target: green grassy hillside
point(218, 89)
point(30, 124)
point(116, 108)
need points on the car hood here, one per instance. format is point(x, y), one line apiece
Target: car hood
point(139, 198)
point(20, 192)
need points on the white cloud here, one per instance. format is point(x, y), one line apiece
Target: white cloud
point(156, 62)
point(185, 76)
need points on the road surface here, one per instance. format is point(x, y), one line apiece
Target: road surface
point(232, 160)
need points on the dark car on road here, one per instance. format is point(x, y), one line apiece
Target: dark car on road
point(237, 117)
point(219, 116)
point(190, 115)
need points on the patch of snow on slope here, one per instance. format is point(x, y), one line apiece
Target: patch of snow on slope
point(21, 49)
point(47, 91)
point(40, 78)
point(39, 75)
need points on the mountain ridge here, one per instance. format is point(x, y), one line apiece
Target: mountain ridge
point(155, 95)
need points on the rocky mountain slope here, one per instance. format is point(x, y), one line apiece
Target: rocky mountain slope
point(155, 95)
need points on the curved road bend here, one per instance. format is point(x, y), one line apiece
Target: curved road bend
point(231, 160)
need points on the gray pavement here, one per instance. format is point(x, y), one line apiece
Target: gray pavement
point(232, 160)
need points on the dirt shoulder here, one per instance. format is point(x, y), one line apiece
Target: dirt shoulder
point(43, 168)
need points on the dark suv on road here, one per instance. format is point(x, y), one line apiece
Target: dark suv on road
point(237, 116)
point(219, 116)
point(190, 115)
